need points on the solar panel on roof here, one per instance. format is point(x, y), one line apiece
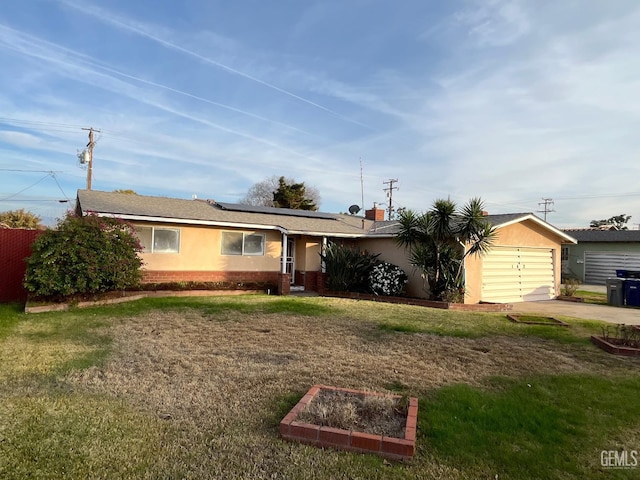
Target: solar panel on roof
point(236, 207)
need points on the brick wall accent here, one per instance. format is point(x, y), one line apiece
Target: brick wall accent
point(165, 276)
point(15, 247)
point(321, 282)
point(284, 284)
point(311, 281)
point(467, 307)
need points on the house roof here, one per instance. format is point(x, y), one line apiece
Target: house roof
point(593, 235)
point(498, 221)
point(506, 219)
point(208, 212)
point(202, 212)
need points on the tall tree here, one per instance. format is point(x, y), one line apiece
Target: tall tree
point(618, 221)
point(261, 193)
point(440, 239)
point(20, 219)
point(292, 195)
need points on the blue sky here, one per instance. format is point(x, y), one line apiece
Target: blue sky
point(511, 101)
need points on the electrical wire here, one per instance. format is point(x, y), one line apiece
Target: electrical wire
point(31, 171)
point(24, 189)
point(35, 122)
point(53, 175)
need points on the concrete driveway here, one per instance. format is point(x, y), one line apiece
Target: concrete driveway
point(630, 316)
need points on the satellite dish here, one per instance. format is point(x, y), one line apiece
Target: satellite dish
point(353, 209)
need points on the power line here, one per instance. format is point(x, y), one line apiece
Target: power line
point(38, 123)
point(30, 171)
point(56, 180)
point(24, 189)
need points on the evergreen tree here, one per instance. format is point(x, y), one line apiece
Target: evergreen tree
point(292, 195)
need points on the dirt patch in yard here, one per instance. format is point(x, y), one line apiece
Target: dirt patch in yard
point(195, 366)
point(221, 383)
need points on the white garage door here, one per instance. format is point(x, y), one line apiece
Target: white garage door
point(598, 266)
point(518, 274)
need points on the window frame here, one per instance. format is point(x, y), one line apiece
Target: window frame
point(243, 252)
point(153, 239)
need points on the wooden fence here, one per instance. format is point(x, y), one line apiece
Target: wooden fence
point(15, 247)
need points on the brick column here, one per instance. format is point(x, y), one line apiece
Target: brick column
point(284, 284)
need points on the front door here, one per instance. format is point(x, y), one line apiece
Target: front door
point(291, 259)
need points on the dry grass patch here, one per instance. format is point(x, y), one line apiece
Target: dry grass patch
point(217, 379)
point(180, 362)
point(377, 414)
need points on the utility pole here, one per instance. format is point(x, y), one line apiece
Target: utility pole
point(548, 203)
point(90, 146)
point(389, 191)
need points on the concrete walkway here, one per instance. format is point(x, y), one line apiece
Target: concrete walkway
point(630, 316)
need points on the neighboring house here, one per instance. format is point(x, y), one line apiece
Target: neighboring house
point(599, 253)
point(197, 240)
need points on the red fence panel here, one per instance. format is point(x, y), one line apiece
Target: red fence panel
point(15, 247)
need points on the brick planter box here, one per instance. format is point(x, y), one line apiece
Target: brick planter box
point(353, 441)
point(466, 307)
point(615, 349)
point(553, 322)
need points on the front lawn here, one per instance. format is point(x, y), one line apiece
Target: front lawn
point(195, 388)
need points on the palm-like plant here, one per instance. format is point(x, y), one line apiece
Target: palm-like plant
point(440, 239)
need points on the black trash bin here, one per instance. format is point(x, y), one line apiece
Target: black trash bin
point(615, 291)
point(632, 292)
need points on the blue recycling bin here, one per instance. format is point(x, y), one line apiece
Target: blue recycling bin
point(632, 292)
point(622, 273)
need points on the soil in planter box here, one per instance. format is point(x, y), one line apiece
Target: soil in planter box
point(375, 414)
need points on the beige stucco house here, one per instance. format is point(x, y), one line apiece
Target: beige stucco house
point(198, 240)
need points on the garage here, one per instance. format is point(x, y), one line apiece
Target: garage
point(523, 265)
point(518, 274)
point(598, 266)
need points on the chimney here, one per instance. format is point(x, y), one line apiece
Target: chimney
point(376, 214)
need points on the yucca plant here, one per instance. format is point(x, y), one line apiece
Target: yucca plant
point(440, 239)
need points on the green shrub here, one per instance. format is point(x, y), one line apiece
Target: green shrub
point(347, 268)
point(84, 255)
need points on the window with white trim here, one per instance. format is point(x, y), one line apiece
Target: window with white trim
point(564, 254)
point(240, 243)
point(159, 239)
